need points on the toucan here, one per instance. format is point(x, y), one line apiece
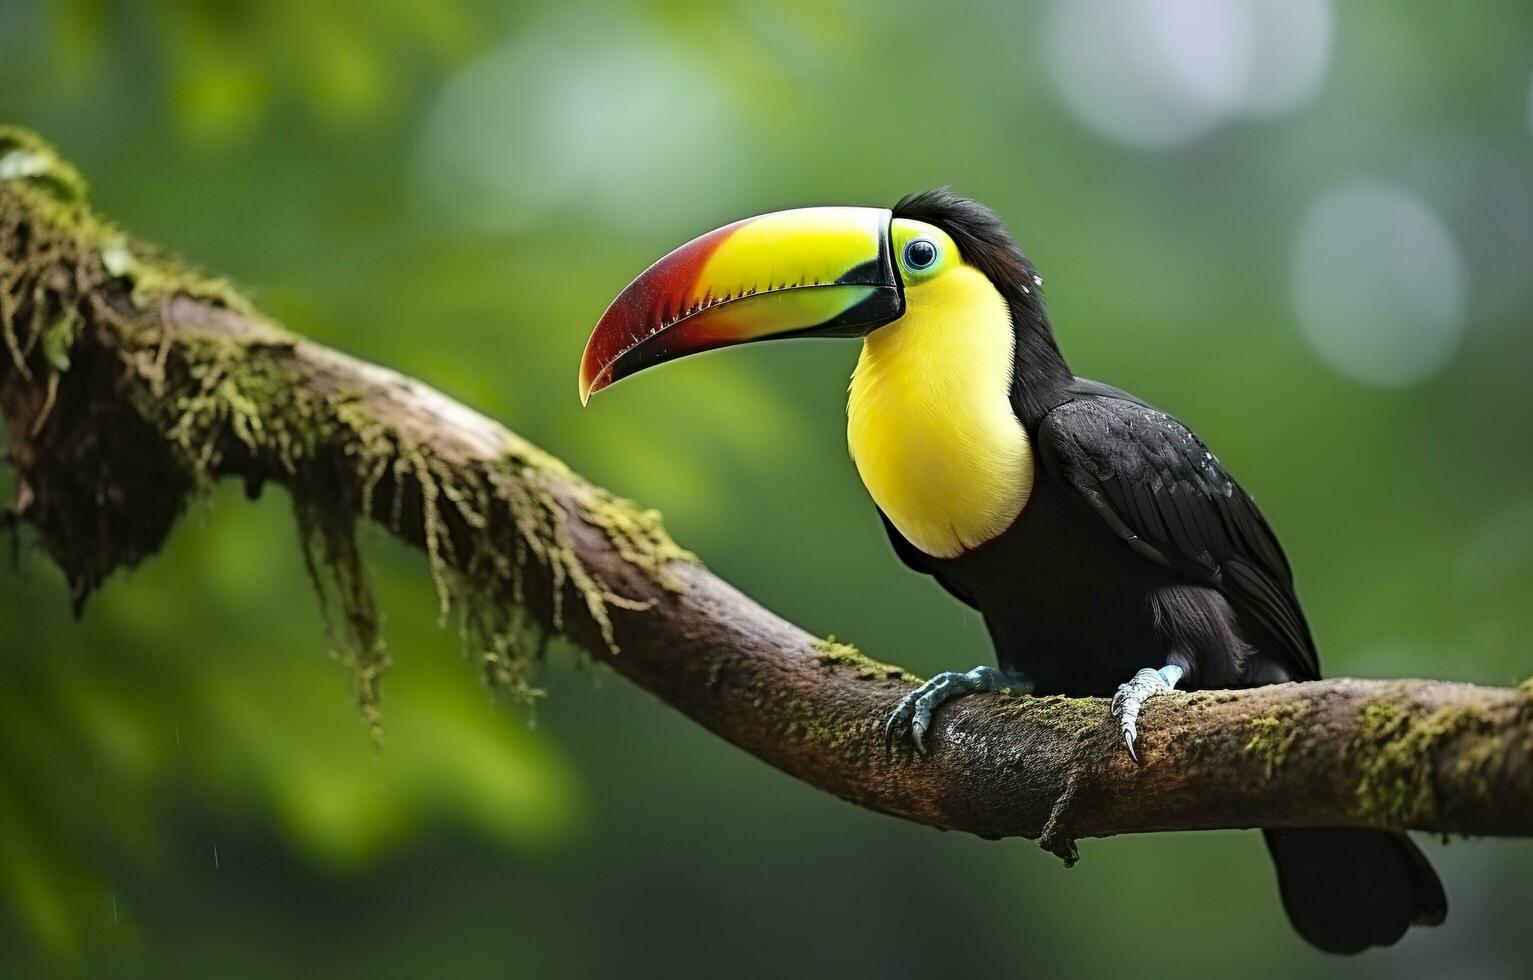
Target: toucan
point(1108, 550)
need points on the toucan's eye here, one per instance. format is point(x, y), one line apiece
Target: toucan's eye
point(920, 255)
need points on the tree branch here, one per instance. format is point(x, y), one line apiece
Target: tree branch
point(128, 382)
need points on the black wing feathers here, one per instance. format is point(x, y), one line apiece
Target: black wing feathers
point(1155, 484)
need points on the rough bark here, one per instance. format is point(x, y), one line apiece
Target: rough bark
point(127, 382)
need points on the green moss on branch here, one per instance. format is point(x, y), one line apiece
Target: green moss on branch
point(1272, 736)
point(84, 308)
point(844, 656)
point(1396, 750)
point(129, 383)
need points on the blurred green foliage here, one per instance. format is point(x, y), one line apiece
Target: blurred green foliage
point(456, 189)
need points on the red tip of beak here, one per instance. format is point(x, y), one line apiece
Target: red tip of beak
point(820, 270)
point(660, 296)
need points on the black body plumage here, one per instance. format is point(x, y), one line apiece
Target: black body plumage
point(1137, 549)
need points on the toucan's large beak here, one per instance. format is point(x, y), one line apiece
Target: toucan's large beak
point(807, 272)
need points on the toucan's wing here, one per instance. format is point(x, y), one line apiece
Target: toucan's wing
point(1155, 485)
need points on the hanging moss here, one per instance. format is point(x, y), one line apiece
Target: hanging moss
point(59, 337)
point(334, 564)
point(216, 401)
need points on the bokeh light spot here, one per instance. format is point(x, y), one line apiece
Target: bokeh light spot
point(1290, 58)
point(1155, 73)
point(1530, 105)
point(608, 119)
point(1379, 285)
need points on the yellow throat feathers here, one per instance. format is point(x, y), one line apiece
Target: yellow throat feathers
point(929, 418)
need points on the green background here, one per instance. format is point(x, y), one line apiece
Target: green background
point(457, 188)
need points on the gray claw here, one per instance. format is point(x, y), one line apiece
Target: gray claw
point(896, 717)
point(1129, 735)
point(914, 712)
point(922, 721)
point(1132, 695)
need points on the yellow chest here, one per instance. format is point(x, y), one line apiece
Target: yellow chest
point(929, 417)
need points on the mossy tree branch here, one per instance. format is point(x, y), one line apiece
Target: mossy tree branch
point(128, 382)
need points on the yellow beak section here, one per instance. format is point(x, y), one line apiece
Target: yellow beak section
point(806, 272)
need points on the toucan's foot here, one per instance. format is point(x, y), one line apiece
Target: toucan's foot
point(1132, 695)
point(914, 715)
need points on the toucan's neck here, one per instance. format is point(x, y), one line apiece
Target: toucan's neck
point(1041, 379)
point(932, 418)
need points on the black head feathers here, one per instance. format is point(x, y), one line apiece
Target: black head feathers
point(984, 242)
point(1041, 375)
